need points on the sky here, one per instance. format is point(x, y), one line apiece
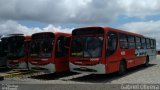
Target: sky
point(31, 16)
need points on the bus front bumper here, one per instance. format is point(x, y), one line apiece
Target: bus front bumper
point(22, 65)
point(95, 69)
point(49, 68)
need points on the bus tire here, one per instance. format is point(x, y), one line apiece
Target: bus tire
point(122, 68)
point(146, 62)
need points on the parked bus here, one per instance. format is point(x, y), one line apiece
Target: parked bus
point(49, 52)
point(18, 46)
point(3, 51)
point(103, 50)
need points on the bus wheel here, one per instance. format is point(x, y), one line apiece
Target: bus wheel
point(146, 62)
point(122, 68)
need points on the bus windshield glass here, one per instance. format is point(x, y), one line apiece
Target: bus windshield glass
point(4, 46)
point(42, 45)
point(41, 48)
point(2, 50)
point(87, 46)
point(16, 47)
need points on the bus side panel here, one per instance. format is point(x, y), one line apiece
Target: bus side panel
point(121, 54)
point(129, 57)
point(152, 55)
point(112, 62)
point(112, 66)
point(140, 60)
point(130, 63)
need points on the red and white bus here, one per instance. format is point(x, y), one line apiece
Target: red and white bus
point(102, 50)
point(18, 46)
point(49, 52)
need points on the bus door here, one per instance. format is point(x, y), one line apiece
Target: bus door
point(62, 54)
point(111, 52)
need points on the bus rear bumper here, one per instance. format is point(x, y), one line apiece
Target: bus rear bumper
point(49, 68)
point(96, 69)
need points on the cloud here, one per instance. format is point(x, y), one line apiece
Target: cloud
point(13, 27)
point(150, 29)
point(76, 11)
point(140, 8)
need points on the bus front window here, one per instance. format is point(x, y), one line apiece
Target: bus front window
point(41, 48)
point(34, 48)
point(87, 46)
point(16, 49)
point(2, 49)
point(47, 46)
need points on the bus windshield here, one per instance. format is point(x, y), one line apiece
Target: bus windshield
point(87, 46)
point(4, 46)
point(2, 50)
point(41, 48)
point(16, 47)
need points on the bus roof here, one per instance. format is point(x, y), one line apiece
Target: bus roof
point(122, 31)
point(16, 34)
point(11, 35)
point(112, 29)
point(55, 33)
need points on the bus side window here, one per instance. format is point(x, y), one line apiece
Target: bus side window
point(60, 47)
point(131, 42)
point(152, 43)
point(138, 43)
point(143, 43)
point(111, 43)
point(148, 43)
point(123, 42)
